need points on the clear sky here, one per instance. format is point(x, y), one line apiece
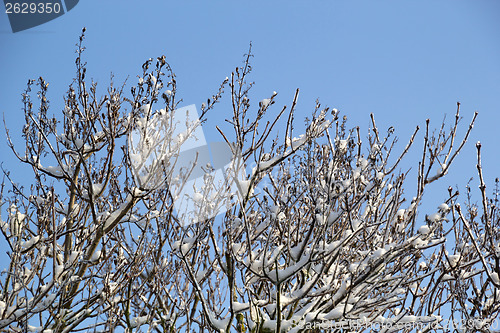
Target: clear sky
point(405, 61)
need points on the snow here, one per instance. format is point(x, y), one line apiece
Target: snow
point(269, 325)
point(338, 311)
point(74, 278)
point(30, 242)
point(311, 315)
point(495, 278)
point(297, 142)
point(95, 256)
point(363, 163)
point(179, 138)
point(220, 324)
point(342, 145)
point(447, 277)
point(263, 165)
point(264, 103)
point(453, 259)
point(290, 270)
point(138, 321)
point(176, 245)
point(244, 186)
point(79, 143)
point(112, 286)
point(356, 223)
point(424, 230)
point(34, 328)
point(152, 78)
point(356, 173)
point(58, 272)
point(441, 170)
point(136, 192)
point(295, 251)
point(418, 243)
point(55, 170)
point(341, 291)
point(186, 247)
point(333, 216)
point(444, 207)
point(145, 108)
point(378, 253)
point(200, 275)
point(113, 216)
point(19, 313)
point(97, 188)
point(238, 307)
point(434, 217)
point(198, 197)
point(49, 299)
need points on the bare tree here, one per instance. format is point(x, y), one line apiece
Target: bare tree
point(319, 237)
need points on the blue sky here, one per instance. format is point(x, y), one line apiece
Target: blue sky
point(405, 61)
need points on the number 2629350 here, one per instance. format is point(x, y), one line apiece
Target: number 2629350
point(32, 8)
